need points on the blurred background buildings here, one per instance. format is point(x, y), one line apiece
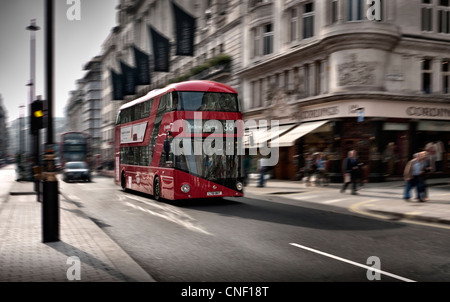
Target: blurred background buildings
point(335, 78)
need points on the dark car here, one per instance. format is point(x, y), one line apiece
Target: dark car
point(76, 170)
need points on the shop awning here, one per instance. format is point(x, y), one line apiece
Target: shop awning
point(254, 138)
point(288, 139)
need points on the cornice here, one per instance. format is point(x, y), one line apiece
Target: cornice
point(327, 44)
point(407, 98)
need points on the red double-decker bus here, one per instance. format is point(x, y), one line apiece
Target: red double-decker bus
point(181, 142)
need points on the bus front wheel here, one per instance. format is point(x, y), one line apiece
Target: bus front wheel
point(157, 189)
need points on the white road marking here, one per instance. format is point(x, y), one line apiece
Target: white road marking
point(334, 200)
point(352, 262)
point(301, 197)
point(169, 213)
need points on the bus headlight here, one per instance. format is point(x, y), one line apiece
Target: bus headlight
point(185, 188)
point(239, 186)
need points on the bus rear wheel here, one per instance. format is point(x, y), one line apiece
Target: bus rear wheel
point(157, 189)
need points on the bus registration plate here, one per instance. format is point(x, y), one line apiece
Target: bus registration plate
point(214, 193)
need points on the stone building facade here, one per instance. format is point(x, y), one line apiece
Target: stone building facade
point(334, 76)
point(316, 66)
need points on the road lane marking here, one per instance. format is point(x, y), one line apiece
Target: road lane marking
point(334, 200)
point(167, 212)
point(356, 209)
point(187, 224)
point(301, 197)
point(352, 262)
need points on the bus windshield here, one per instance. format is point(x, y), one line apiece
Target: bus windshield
point(205, 101)
point(213, 167)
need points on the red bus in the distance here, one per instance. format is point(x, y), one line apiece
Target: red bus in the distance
point(181, 142)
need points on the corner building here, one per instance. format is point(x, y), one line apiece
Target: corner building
point(337, 81)
point(334, 79)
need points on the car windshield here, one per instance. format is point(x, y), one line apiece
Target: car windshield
point(79, 165)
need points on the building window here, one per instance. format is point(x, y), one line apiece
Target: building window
point(256, 94)
point(334, 12)
point(444, 17)
point(256, 42)
point(427, 15)
point(268, 39)
point(445, 76)
point(308, 20)
point(306, 79)
point(319, 78)
point(426, 76)
point(293, 25)
point(354, 10)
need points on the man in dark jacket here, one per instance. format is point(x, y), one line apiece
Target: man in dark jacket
point(350, 171)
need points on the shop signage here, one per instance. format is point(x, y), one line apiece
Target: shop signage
point(376, 108)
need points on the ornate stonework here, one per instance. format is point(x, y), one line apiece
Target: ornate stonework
point(278, 107)
point(356, 73)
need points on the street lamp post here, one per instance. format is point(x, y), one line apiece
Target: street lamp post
point(35, 138)
point(50, 204)
point(20, 161)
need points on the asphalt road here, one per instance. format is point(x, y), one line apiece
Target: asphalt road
point(252, 240)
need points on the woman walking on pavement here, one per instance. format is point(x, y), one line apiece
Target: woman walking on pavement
point(350, 171)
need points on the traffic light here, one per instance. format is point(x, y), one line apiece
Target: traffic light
point(36, 116)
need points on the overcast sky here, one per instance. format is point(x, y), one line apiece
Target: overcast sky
point(76, 42)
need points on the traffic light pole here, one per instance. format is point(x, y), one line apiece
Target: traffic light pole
point(35, 137)
point(36, 119)
point(50, 204)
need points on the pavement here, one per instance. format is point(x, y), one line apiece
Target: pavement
point(85, 253)
point(382, 200)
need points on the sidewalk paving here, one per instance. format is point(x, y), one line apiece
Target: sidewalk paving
point(386, 205)
point(25, 258)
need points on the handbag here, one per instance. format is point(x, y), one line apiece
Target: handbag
point(346, 177)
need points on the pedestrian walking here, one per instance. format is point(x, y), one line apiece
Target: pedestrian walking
point(426, 169)
point(262, 168)
point(310, 168)
point(247, 163)
point(409, 177)
point(321, 174)
point(350, 171)
point(419, 170)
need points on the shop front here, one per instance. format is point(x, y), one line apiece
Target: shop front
point(385, 135)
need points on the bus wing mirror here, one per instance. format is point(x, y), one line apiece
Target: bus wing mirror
point(167, 145)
